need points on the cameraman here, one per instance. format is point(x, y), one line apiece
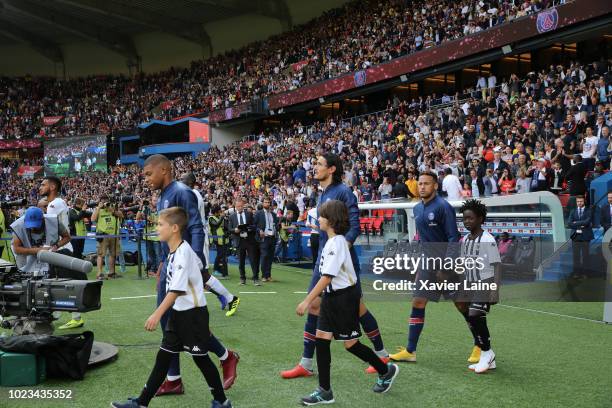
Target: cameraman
point(218, 227)
point(76, 214)
point(35, 232)
point(107, 218)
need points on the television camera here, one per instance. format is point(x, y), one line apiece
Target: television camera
point(27, 301)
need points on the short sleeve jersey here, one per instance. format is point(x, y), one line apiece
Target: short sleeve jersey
point(183, 275)
point(485, 248)
point(336, 262)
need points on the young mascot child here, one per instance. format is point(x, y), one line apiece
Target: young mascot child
point(339, 315)
point(480, 246)
point(187, 328)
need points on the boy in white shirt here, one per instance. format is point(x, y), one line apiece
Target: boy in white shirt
point(187, 328)
point(339, 312)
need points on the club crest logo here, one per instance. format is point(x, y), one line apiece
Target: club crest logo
point(431, 216)
point(547, 20)
point(360, 78)
point(166, 204)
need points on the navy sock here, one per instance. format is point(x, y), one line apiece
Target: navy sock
point(415, 327)
point(310, 331)
point(370, 327)
point(215, 346)
point(324, 363)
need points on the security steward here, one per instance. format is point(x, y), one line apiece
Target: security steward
point(108, 220)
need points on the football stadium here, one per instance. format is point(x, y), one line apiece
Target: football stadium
point(278, 203)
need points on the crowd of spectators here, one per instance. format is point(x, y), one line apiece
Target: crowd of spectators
point(548, 131)
point(359, 35)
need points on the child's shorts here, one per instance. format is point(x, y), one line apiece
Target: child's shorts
point(339, 313)
point(187, 331)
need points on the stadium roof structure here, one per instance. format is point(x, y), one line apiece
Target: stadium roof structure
point(45, 25)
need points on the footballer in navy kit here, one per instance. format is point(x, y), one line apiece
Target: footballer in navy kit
point(436, 225)
point(158, 175)
point(328, 171)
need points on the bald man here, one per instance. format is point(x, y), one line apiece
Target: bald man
point(159, 176)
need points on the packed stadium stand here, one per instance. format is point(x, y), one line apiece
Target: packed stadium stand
point(505, 101)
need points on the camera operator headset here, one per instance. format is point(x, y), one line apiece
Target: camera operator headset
point(107, 217)
point(35, 232)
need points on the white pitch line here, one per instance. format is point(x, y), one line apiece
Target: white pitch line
point(133, 297)
point(248, 293)
point(554, 314)
point(301, 292)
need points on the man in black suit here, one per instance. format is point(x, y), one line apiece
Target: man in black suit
point(243, 233)
point(581, 222)
point(575, 177)
point(606, 214)
point(266, 226)
point(498, 165)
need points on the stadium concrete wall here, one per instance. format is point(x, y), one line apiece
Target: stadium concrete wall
point(221, 136)
point(158, 50)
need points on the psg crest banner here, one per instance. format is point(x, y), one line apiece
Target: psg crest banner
point(547, 20)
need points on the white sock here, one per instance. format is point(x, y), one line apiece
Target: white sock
point(173, 377)
point(382, 353)
point(215, 285)
point(224, 356)
point(306, 363)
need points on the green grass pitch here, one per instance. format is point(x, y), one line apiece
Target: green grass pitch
point(544, 360)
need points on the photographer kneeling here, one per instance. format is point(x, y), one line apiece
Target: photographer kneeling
point(34, 232)
point(107, 218)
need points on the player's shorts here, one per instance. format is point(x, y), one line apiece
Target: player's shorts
point(339, 313)
point(187, 331)
point(109, 244)
point(480, 300)
point(428, 277)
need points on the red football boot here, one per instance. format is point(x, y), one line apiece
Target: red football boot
point(372, 370)
point(229, 369)
point(296, 372)
point(170, 388)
